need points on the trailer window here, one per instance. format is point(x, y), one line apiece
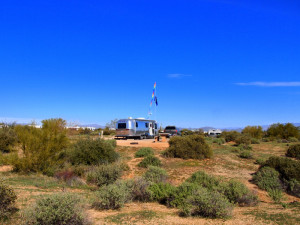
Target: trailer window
point(121, 125)
point(136, 124)
point(150, 124)
point(156, 126)
point(146, 124)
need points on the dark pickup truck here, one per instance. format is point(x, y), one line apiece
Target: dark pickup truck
point(171, 130)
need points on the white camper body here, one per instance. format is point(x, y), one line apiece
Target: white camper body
point(139, 128)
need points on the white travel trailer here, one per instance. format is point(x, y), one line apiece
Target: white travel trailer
point(139, 128)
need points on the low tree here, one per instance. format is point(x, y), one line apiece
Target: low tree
point(283, 131)
point(253, 131)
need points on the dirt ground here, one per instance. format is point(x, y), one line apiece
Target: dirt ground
point(225, 164)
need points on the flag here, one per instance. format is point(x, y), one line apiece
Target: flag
point(154, 85)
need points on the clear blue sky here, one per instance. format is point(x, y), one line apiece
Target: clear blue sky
point(216, 62)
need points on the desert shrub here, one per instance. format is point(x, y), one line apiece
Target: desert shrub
point(267, 178)
point(185, 132)
point(204, 180)
point(60, 209)
point(7, 200)
point(155, 174)
point(104, 174)
point(275, 194)
point(260, 161)
point(293, 139)
point(107, 131)
point(243, 147)
point(283, 131)
point(207, 204)
point(255, 141)
point(181, 193)
point(253, 131)
point(143, 152)
point(161, 192)
point(189, 147)
point(243, 139)
point(150, 161)
point(246, 154)
point(293, 187)
point(288, 168)
point(139, 189)
point(112, 196)
point(230, 135)
point(8, 138)
point(41, 147)
point(92, 152)
point(294, 151)
point(113, 142)
point(237, 192)
point(219, 141)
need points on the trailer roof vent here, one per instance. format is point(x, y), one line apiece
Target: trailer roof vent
point(130, 117)
point(141, 118)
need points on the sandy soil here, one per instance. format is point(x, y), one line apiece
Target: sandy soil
point(143, 143)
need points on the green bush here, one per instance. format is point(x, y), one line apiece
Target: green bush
point(204, 180)
point(144, 152)
point(41, 147)
point(7, 200)
point(243, 147)
point(275, 194)
point(246, 154)
point(253, 131)
point(181, 193)
point(112, 196)
point(243, 139)
point(260, 161)
point(255, 141)
point(150, 161)
point(294, 187)
point(92, 152)
point(283, 131)
point(189, 147)
point(294, 151)
point(56, 209)
point(8, 138)
point(288, 168)
point(267, 178)
point(230, 135)
point(219, 141)
point(237, 192)
point(155, 174)
point(207, 204)
point(161, 192)
point(104, 174)
point(139, 189)
point(292, 139)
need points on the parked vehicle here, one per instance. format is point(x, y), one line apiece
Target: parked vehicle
point(171, 130)
point(139, 128)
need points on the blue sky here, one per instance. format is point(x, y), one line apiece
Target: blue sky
point(216, 62)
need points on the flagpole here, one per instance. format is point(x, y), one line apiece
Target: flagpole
point(156, 99)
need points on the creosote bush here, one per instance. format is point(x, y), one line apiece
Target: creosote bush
point(188, 147)
point(7, 200)
point(161, 192)
point(155, 174)
point(144, 152)
point(267, 178)
point(230, 135)
point(8, 138)
point(112, 196)
point(150, 161)
point(59, 209)
point(246, 154)
point(294, 151)
point(92, 152)
point(243, 139)
point(104, 174)
point(207, 204)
